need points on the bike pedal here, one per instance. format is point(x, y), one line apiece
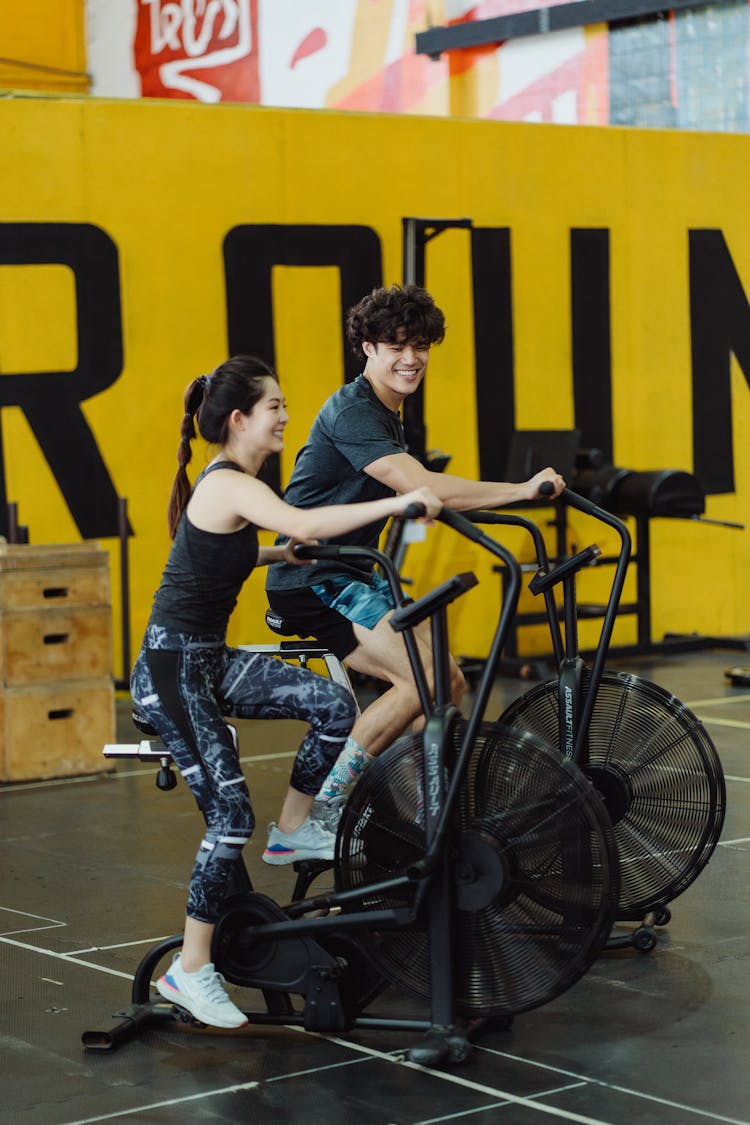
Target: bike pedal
point(182, 1015)
point(310, 866)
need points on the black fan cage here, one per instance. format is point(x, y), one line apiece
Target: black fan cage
point(659, 774)
point(538, 903)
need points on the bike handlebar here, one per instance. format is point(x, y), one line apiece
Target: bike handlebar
point(324, 551)
point(343, 552)
point(464, 526)
point(583, 504)
point(547, 488)
point(414, 511)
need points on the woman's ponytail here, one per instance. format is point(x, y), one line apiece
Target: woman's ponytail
point(181, 488)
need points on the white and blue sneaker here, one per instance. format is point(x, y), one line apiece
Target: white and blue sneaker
point(310, 841)
point(200, 993)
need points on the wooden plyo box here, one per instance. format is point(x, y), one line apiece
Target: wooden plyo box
point(56, 687)
point(56, 730)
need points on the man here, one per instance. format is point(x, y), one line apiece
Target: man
point(356, 451)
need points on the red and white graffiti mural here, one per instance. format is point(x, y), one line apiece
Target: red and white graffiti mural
point(360, 55)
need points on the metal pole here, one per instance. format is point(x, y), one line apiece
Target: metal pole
point(122, 513)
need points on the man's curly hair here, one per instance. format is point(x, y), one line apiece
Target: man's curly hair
point(401, 313)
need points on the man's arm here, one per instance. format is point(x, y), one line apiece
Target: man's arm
point(402, 473)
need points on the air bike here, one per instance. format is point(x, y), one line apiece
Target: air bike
point(644, 751)
point(475, 868)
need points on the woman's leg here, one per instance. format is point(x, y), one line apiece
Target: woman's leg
point(173, 689)
point(183, 707)
point(256, 686)
point(295, 809)
point(196, 944)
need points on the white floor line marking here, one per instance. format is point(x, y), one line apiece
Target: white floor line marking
point(134, 773)
point(311, 1069)
point(267, 757)
point(496, 1105)
point(27, 786)
point(236, 1089)
point(477, 1087)
point(710, 721)
point(65, 957)
point(52, 923)
point(462, 1114)
point(719, 702)
point(120, 945)
point(246, 759)
point(730, 777)
point(116, 775)
point(618, 1089)
point(731, 843)
point(28, 914)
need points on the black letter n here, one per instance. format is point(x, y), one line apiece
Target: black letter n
point(720, 326)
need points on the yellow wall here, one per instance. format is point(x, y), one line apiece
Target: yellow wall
point(43, 46)
point(167, 181)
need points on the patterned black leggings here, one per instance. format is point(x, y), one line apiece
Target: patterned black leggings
point(185, 686)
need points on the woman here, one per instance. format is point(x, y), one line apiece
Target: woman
point(186, 679)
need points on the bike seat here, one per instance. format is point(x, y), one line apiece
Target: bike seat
point(280, 625)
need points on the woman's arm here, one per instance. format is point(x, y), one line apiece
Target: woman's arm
point(284, 552)
point(225, 499)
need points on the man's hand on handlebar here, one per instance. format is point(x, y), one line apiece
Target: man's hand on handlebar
point(546, 484)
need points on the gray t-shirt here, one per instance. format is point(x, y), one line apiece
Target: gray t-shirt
point(352, 429)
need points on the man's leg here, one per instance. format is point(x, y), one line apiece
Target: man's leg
point(381, 652)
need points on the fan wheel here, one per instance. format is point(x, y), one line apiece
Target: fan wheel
point(533, 863)
point(658, 773)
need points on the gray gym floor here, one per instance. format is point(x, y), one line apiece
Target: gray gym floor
point(94, 872)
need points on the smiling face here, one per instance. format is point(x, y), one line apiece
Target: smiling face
point(255, 436)
point(395, 370)
point(268, 418)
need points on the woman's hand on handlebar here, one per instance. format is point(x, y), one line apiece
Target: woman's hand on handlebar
point(421, 504)
point(551, 480)
point(288, 555)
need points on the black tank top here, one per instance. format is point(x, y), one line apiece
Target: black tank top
point(204, 574)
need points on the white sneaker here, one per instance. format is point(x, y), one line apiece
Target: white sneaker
point(310, 841)
point(201, 993)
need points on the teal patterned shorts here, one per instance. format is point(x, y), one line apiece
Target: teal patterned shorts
point(361, 602)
